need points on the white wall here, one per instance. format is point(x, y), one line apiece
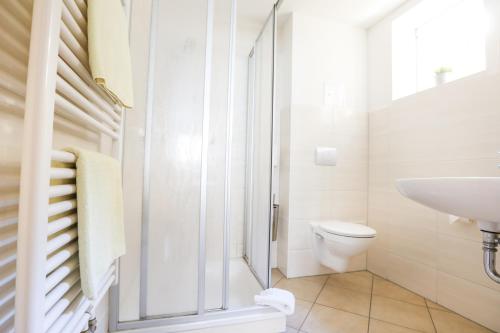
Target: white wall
point(451, 130)
point(324, 53)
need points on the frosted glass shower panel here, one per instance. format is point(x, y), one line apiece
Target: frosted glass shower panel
point(259, 154)
point(176, 141)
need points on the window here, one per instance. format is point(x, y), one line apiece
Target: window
point(437, 42)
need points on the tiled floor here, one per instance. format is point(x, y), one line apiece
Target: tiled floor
point(360, 302)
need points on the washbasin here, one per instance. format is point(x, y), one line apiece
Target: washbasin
point(476, 198)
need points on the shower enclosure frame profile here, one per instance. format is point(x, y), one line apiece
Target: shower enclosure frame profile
point(251, 63)
point(202, 314)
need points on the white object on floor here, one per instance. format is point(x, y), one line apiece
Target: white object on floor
point(335, 242)
point(279, 299)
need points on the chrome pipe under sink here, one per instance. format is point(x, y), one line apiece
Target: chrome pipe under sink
point(490, 244)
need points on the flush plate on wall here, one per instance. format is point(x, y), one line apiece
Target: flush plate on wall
point(326, 156)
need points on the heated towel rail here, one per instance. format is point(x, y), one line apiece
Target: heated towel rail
point(15, 21)
point(62, 106)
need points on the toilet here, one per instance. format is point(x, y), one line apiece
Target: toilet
point(335, 242)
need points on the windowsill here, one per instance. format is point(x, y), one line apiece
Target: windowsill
point(445, 85)
point(433, 90)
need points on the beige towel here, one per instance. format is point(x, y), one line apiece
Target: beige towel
point(101, 233)
point(109, 51)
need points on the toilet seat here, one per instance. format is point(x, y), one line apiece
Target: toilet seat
point(347, 229)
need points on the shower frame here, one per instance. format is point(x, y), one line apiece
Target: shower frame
point(223, 314)
point(249, 181)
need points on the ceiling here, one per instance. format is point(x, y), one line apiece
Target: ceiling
point(363, 13)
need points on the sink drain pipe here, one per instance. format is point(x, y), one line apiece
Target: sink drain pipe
point(490, 244)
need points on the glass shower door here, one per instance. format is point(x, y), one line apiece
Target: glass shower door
point(183, 255)
point(181, 262)
point(261, 173)
point(173, 176)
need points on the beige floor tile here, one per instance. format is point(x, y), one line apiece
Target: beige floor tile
point(343, 302)
point(448, 322)
point(401, 313)
point(357, 281)
point(301, 310)
point(345, 299)
point(306, 288)
point(388, 289)
point(436, 306)
point(323, 319)
point(276, 275)
point(315, 278)
point(377, 326)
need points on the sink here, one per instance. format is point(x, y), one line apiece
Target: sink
point(476, 198)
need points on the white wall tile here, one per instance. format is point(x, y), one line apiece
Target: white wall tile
point(304, 263)
point(470, 300)
point(448, 131)
point(336, 59)
point(378, 260)
point(464, 259)
point(417, 277)
point(413, 243)
point(468, 231)
point(299, 236)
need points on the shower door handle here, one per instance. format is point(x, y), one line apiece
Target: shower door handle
point(276, 212)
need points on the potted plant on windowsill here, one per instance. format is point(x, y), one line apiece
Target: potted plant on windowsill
point(441, 74)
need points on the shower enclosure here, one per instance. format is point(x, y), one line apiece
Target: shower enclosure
point(182, 160)
point(262, 153)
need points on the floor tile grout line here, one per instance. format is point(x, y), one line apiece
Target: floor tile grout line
point(401, 301)
point(446, 310)
point(342, 310)
point(305, 318)
point(402, 287)
point(313, 303)
point(370, 309)
point(349, 289)
point(331, 307)
point(334, 308)
point(449, 311)
point(430, 315)
point(322, 287)
point(399, 325)
point(369, 317)
point(425, 302)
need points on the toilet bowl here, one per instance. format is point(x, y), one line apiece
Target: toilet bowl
point(335, 242)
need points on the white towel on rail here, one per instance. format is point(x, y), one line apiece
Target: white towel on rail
point(109, 51)
point(101, 233)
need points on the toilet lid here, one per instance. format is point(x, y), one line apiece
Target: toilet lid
point(347, 229)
